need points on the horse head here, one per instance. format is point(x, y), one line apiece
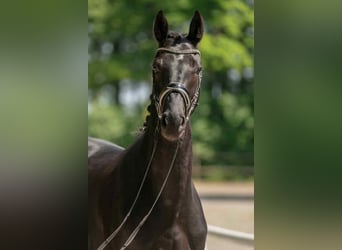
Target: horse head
point(176, 75)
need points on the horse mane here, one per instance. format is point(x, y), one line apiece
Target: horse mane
point(148, 116)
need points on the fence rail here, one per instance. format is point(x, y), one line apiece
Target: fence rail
point(230, 233)
point(222, 173)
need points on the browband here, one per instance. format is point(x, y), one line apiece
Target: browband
point(179, 52)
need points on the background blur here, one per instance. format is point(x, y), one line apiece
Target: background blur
point(121, 49)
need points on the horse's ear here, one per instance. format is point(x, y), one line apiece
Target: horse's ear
point(196, 29)
point(160, 27)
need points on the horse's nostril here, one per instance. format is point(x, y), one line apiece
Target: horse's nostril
point(172, 120)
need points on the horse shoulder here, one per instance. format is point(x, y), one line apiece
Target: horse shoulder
point(193, 220)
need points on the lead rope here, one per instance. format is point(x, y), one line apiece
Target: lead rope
point(137, 229)
point(111, 237)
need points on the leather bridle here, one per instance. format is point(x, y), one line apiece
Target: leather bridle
point(178, 87)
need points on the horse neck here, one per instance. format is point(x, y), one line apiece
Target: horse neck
point(165, 151)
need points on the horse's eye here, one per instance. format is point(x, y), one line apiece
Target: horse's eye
point(199, 70)
point(155, 69)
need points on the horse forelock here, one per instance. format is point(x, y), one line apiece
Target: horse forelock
point(177, 40)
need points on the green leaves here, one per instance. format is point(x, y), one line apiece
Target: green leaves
point(222, 53)
point(112, 124)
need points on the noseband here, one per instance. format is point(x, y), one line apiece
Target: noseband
point(178, 87)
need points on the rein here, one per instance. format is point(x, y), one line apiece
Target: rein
point(115, 232)
point(190, 104)
point(142, 222)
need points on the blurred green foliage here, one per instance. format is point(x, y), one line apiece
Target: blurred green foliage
point(121, 49)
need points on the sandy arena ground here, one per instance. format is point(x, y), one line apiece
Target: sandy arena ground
point(228, 205)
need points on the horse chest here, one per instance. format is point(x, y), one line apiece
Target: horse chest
point(172, 239)
point(172, 199)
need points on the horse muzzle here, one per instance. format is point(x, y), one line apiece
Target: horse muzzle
point(172, 125)
point(173, 117)
point(173, 107)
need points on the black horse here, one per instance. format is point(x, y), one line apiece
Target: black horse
point(143, 197)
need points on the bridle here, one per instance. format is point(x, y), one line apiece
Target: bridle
point(190, 104)
point(178, 87)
